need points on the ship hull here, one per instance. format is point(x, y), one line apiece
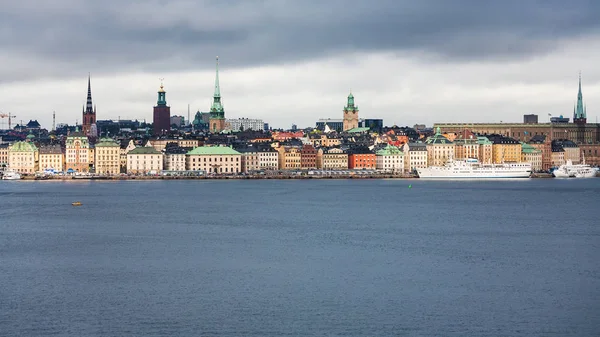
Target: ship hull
point(432, 174)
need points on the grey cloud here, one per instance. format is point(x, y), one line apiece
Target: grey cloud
point(66, 37)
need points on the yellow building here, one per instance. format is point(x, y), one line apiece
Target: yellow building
point(214, 159)
point(51, 157)
point(289, 158)
point(144, 160)
point(332, 159)
point(439, 149)
point(23, 157)
point(505, 149)
point(107, 157)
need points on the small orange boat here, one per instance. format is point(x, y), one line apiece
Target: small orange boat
point(76, 203)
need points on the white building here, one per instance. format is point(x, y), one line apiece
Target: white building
point(214, 159)
point(174, 159)
point(389, 159)
point(268, 158)
point(415, 156)
point(245, 123)
point(144, 160)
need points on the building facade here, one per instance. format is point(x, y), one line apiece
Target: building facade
point(350, 114)
point(162, 114)
point(332, 159)
point(440, 150)
point(23, 157)
point(214, 159)
point(415, 156)
point(77, 152)
point(144, 160)
point(3, 155)
point(530, 154)
point(107, 157)
point(390, 159)
point(308, 157)
point(360, 158)
point(175, 158)
point(268, 158)
point(51, 157)
point(243, 124)
point(289, 158)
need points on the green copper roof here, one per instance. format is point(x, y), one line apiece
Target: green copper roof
point(438, 138)
point(389, 150)
point(358, 130)
point(213, 151)
point(579, 109)
point(22, 147)
point(350, 105)
point(144, 150)
point(483, 141)
point(107, 142)
point(526, 148)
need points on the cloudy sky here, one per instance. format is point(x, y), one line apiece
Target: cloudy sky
point(296, 61)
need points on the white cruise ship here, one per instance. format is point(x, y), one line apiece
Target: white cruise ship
point(11, 175)
point(472, 168)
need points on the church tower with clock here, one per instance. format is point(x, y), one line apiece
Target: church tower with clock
point(350, 114)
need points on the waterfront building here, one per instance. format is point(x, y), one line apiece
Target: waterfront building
point(125, 147)
point(572, 151)
point(161, 114)
point(308, 157)
point(558, 155)
point(530, 154)
point(77, 152)
point(144, 160)
point(350, 114)
point(466, 146)
point(51, 157)
point(250, 159)
point(244, 124)
point(415, 156)
point(440, 150)
point(23, 157)
point(175, 158)
point(543, 143)
point(332, 159)
point(485, 150)
point(505, 149)
point(217, 112)
point(89, 111)
point(214, 159)
point(289, 157)
point(268, 158)
point(389, 159)
point(3, 155)
point(361, 157)
point(107, 157)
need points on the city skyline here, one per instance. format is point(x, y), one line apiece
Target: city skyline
point(490, 63)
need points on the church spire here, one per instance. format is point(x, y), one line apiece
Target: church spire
point(217, 87)
point(216, 108)
point(579, 115)
point(88, 105)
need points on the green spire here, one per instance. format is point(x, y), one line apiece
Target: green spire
point(438, 131)
point(216, 109)
point(162, 99)
point(350, 104)
point(579, 112)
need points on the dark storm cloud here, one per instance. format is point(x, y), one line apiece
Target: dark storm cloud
point(72, 37)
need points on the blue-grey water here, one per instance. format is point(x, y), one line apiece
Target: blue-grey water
point(300, 258)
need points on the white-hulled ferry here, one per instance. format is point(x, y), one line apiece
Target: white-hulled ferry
point(472, 168)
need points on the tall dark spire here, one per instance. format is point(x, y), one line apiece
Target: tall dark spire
point(89, 108)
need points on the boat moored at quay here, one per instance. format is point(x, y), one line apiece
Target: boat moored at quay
point(472, 169)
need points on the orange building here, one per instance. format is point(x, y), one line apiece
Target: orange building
point(308, 157)
point(361, 158)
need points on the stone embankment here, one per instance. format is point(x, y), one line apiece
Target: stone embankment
point(236, 177)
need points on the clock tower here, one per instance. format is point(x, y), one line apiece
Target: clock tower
point(350, 114)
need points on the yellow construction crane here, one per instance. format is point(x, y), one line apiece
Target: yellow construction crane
point(9, 116)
